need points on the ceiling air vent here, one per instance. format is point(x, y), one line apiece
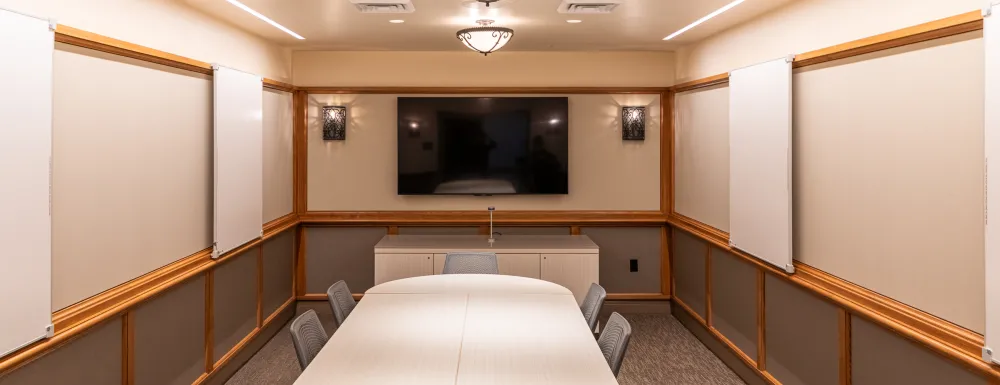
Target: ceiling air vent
point(383, 6)
point(585, 6)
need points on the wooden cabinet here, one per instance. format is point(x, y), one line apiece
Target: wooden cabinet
point(390, 267)
point(574, 271)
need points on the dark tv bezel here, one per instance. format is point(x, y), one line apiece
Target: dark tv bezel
point(566, 98)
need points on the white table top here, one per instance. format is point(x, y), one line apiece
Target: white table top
point(514, 244)
point(468, 284)
point(432, 333)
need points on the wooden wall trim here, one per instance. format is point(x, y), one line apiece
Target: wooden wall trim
point(128, 348)
point(844, 336)
point(279, 225)
point(761, 321)
point(81, 316)
point(701, 83)
point(218, 365)
point(69, 35)
point(940, 336)
point(484, 90)
point(949, 26)
point(396, 218)
point(209, 321)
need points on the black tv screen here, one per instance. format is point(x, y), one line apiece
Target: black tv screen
point(482, 146)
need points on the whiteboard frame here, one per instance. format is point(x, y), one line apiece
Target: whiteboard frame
point(27, 167)
point(991, 141)
point(238, 159)
point(760, 161)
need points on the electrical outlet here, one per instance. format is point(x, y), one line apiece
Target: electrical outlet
point(633, 265)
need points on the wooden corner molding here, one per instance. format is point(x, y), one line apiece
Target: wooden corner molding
point(940, 336)
point(701, 83)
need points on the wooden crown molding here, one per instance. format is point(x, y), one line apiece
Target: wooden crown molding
point(944, 338)
point(426, 218)
point(78, 318)
point(949, 26)
point(80, 38)
point(483, 90)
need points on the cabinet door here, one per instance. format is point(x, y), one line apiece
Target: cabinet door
point(521, 265)
point(574, 271)
point(390, 267)
point(439, 263)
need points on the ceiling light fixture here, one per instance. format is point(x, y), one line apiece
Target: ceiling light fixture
point(262, 17)
point(704, 19)
point(485, 38)
point(397, 21)
point(574, 21)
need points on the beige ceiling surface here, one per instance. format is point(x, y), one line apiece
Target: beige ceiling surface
point(338, 25)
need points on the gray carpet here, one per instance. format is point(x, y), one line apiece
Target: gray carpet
point(662, 352)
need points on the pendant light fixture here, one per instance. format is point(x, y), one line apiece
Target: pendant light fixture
point(485, 38)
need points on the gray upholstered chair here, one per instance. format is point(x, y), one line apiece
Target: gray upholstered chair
point(592, 303)
point(308, 337)
point(341, 301)
point(614, 341)
point(471, 263)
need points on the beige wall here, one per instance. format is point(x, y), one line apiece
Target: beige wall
point(132, 170)
point(467, 69)
point(605, 172)
point(701, 159)
point(888, 154)
point(166, 25)
point(277, 154)
point(888, 174)
point(807, 25)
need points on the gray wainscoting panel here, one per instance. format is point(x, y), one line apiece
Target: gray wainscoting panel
point(432, 230)
point(170, 336)
point(234, 301)
point(801, 335)
point(722, 351)
point(535, 230)
point(341, 253)
point(734, 300)
point(619, 245)
point(880, 357)
point(279, 257)
point(92, 359)
point(689, 270)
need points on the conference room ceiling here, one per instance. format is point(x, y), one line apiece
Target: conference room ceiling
point(338, 25)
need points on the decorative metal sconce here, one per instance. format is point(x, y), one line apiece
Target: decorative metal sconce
point(334, 122)
point(633, 123)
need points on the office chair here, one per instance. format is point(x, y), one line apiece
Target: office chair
point(308, 337)
point(614, 341)
point(592, 303)
point(471, 263)
point(341, 301)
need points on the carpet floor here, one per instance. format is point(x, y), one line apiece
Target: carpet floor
point(662, 352)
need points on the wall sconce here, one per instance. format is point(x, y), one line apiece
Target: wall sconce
point(633, 123)
point(334, 122)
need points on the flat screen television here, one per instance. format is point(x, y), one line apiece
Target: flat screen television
point(482, 146)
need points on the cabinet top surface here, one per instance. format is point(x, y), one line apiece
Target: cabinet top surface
point(502, 244)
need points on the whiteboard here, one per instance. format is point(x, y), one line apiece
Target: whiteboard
point(27, 44)
point(991, 38)
point(760, 161)
point(239, 155)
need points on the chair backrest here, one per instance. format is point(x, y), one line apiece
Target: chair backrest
point(592, 303)
point(471, 263)
point(614, 341)
point(341, 301)
point(308, 337)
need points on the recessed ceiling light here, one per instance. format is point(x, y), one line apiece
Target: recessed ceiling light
point(262, 17)
point(397, 21)
point(704, 19)
point(574, 21)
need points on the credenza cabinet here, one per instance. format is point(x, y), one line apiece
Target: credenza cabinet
point(568, 260)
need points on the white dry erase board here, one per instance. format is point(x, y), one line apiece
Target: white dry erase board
point(25, 182)
point(238, 159)
point(760, 161)
point(991, 38)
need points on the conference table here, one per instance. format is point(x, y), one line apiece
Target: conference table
point(462, 329)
